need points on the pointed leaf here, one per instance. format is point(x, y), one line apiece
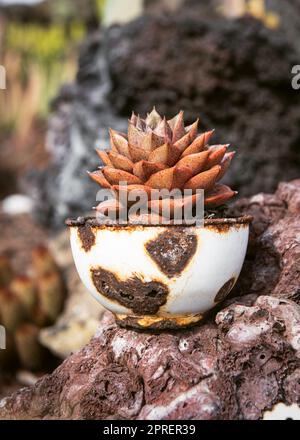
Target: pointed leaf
point(98, 177)
point(153, 119)
point(135, 136)
point(104, 157)
point(136, 188)
point(119, 143)
point(167, 154)
point(180, 176)
point(188, 138)
point(204, 180)
point(172, 205)
point(177, 126)
point(138, 154)
point(225, 164)
point(162, 179)
point(115, 176)
point(138, 170)
point(164, 130)
point(199, 143)
point(219, 195)
point(216, 154)
point(150, 168)
point(120, 162)
point(110, 206)
point(196, 162)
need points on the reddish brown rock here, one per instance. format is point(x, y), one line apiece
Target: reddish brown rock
point(236, 365)
point(273, 259)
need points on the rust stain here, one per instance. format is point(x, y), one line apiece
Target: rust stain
point(224, 228)
point(115, 226)
point(86, 236)
point(224, 291)
point(135, 294)
point(158, 322)
point(172, 250)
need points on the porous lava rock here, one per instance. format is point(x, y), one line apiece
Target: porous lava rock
point(233, 368)
point(237, 364)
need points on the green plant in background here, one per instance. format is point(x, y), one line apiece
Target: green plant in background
point(39, 58)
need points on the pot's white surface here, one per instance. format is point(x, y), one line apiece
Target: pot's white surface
point(205, 278)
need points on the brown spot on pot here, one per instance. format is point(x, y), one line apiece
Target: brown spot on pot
point(86, 236)
point(172, 250)
point(224, 291)
point(139, 296)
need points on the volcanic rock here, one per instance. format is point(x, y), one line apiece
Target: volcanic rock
point(238, 364)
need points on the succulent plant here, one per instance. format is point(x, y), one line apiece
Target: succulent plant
point(161, 154)
point(26, 304)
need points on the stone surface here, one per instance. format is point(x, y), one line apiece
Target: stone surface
point(238, 364)
point(234, 369)
point(273, 259)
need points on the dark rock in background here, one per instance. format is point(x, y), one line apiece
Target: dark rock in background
point(238, 364)
point(234, 74)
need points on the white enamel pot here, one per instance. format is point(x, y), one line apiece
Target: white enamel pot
point(159, 277)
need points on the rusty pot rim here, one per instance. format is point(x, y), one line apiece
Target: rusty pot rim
point(93, 222)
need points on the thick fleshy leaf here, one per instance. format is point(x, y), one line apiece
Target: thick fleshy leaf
point(133, 118)
point(225, 164)
point(219, 195)
point(167, 154)
point(198, 144)
point(140, 124)
point(110, 206)
point(204, 180)
point(177, 126)
point(115, 176)
point(196, 162)
point(164, 130)
point(192, 130)
point(120, 162)
point(138, 154)
point(98, 177)
point(172, 205)
point(119, 143)
point(216, 154)
point(142, 189)
point(151, 141)
point(153, 119)
point(150, 168)
point(188, 138)
point(138, 170)
point(180, 176)
point(104, 157)
point(162, 179)
point(135, 136)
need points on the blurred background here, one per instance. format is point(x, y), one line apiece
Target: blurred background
point(74, 68)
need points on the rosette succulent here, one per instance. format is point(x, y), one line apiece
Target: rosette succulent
point(158, 154)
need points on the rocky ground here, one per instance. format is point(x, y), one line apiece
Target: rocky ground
point(239, 363)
